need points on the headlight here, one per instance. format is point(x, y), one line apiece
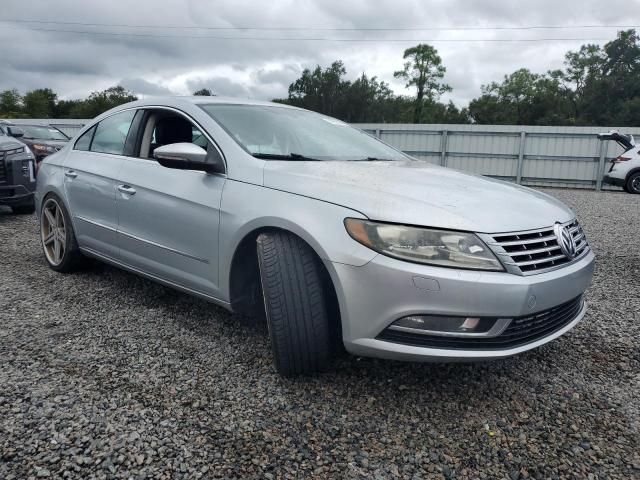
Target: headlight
point(43, 148)
point(442, 248)
point(14, 151)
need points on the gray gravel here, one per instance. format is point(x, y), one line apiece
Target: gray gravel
point(107, 375)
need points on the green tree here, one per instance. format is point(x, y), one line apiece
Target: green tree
point(40, 103)
point(203, 92)
point(320, 90)
point(100, 102)
point(10, 103)
point(423, 70)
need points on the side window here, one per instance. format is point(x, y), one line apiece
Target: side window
point(111, 133)
point(84, 142)
point(163, 128)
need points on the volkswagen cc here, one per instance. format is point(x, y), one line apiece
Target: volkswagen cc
point(332, 236)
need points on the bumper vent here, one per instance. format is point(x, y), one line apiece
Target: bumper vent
point(536, 251)
point(521, 330)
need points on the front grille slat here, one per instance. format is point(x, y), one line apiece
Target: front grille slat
point(542, 260)
point(521, 331)
point(547, 238)
point(536, 251)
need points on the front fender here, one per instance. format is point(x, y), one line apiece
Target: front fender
point(246, 208)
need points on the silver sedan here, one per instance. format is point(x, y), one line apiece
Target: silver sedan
point(334, 237)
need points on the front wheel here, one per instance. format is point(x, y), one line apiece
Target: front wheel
point(295, 304)
point(633, 183)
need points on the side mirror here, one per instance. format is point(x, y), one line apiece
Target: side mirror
point(15, 132)
point(187, 156)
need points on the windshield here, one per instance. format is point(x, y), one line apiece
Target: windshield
point(291, 134)
point(43, 133)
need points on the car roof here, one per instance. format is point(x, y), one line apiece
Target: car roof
point(200, 100)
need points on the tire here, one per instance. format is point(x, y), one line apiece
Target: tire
point(295, 304)
point(24, 209)
point(57, 237)
point(633, 183)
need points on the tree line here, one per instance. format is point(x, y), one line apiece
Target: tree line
point(596, 86)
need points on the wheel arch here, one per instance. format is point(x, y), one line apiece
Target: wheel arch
point(245, 290)
point(631, 172)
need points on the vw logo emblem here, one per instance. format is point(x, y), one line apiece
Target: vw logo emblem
point(565, 240)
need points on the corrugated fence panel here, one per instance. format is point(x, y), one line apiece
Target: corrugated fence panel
point(533, 155)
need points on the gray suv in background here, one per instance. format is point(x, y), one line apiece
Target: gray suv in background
point(17, 171)
point(42, 140)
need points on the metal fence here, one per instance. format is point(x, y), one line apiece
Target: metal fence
point(528, 155)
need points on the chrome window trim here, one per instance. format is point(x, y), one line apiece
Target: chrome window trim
point(158, 107)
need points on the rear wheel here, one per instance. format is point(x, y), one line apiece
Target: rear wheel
point(633, 183)
point(295, 304)
point(57, 235)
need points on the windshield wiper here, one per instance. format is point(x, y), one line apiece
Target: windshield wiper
point(373, 159)
point(296, 157)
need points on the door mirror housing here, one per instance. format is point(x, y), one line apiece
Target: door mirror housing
point(187, 156)
point(15, 132)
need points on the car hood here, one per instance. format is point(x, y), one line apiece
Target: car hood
point(419, 193)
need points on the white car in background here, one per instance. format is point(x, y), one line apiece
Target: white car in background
point(625, 168)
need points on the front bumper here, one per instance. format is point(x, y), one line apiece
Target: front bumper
point(15, 195)
point(373, 296)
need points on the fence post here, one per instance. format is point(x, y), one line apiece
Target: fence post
point(443, 148)
point(600, 172)
point(378, 132)
point(519, 166)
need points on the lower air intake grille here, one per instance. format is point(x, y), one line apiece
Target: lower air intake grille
point(521, 330)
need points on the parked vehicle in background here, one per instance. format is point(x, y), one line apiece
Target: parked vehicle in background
point(17, 171)
point(625, 168)
point(329, 233)
point(43, 140)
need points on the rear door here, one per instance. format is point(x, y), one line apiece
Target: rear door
point(90, 172)
point(168, 218)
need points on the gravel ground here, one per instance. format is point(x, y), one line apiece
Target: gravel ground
point(107, 375)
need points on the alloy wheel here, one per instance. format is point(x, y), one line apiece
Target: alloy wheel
point(53, 232)
point(635, 184)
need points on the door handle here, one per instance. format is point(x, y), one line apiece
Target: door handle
point(70, 174)
point(126, 189)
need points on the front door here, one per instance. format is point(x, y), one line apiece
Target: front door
point(168, 218)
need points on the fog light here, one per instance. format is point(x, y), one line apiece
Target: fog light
point(451, 326)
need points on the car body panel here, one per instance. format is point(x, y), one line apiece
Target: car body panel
point(418, 193)
point(91, 198)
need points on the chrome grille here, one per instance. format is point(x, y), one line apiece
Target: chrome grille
point(535, 251)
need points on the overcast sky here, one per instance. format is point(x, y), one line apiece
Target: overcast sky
point(168, 60)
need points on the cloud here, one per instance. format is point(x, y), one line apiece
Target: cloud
point(140, 86)
point(252, 63)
